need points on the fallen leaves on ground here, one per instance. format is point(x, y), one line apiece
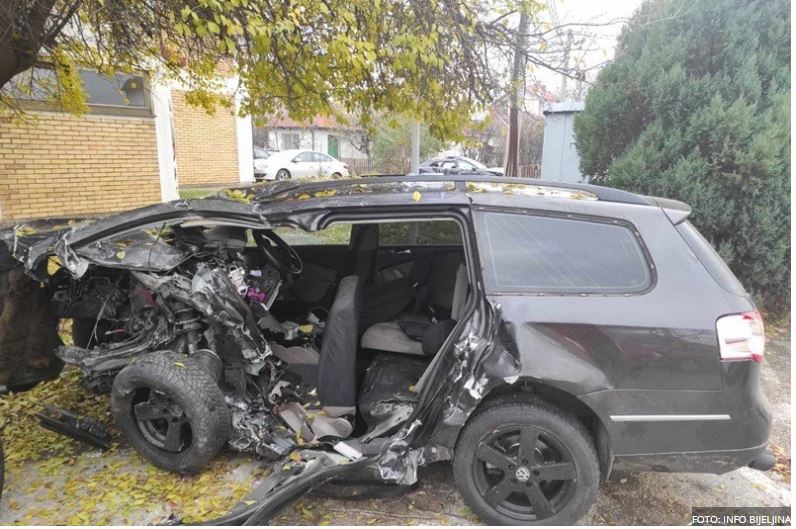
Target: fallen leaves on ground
point(782, 466)
point(52, 479)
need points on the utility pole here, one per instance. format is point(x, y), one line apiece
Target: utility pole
point(517, 83)
point(415, 153)
point(563, 91)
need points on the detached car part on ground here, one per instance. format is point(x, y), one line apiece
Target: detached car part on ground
point(642, 355)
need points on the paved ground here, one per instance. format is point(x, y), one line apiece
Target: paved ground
point(51, 480)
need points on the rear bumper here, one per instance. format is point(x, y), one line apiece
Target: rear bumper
point(712, 462)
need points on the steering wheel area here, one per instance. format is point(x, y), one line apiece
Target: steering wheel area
point(278, 253)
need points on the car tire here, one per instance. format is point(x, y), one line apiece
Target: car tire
point(282, 174)
point(337, 175)
point(171, 411)
point(510, 489)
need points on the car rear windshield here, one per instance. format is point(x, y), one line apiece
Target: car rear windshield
point(710, 259)
point(546, 254)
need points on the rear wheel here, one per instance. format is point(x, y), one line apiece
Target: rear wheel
point(170, 409)
point(526, 463)
point(337, 175)
point(282, 174)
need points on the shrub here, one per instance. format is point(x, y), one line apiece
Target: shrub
point(696, 107)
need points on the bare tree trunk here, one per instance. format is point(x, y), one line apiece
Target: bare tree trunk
point(415, 151)
point(23, 32)
point(517, 78)
point(563, 90)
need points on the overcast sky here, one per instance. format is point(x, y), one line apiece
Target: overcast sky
point(603, 38)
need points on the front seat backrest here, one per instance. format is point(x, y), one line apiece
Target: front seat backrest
point(337, 363)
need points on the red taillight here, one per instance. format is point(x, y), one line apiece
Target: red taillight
point(741, 337)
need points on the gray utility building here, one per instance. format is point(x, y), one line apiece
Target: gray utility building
point(560, 160)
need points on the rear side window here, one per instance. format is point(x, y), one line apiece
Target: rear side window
point(544, 254)
point(710, 259)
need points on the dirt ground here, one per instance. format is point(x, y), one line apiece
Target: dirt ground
point(53, 480)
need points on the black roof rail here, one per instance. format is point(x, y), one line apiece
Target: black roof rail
point(606, 194)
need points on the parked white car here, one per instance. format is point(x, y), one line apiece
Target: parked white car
point(298, 163)
point(260, 156)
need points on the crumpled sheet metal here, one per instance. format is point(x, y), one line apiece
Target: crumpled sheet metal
point(258, 431)
point(212, 294)
point(487, 357)
point(398, 462)
point(288, 481)
point(31, 241)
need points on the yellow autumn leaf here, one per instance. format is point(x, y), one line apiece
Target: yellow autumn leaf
point(416, 196)
point(53, 265)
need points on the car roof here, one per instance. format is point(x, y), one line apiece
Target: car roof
point(288, 152)
point(462, 182)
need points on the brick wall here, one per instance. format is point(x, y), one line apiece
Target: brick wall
point(55, 164)
point(205, 145)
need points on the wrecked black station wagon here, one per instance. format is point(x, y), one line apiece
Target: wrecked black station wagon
point(539, 335)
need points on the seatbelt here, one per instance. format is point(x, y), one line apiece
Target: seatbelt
point(420, 274)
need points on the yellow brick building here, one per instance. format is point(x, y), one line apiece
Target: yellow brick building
point(205, 144)
point(130, 150)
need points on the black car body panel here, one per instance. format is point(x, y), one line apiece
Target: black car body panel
point(643, 367)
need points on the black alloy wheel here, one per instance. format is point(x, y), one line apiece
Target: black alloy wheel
point(161, 421)
point(171, 410)
point(524, 473)
point(522, 461)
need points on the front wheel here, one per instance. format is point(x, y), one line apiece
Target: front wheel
point(170, 409)
point(282, 174)
point(526, 463)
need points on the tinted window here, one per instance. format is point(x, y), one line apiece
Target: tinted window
point(118, 90)
point(550, 254)
point(305, 157)
point(467, 166)
point(710, 259)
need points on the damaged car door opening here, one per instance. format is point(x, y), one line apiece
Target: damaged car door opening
point(361, 329)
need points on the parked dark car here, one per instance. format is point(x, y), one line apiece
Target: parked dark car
point(537, 335)
point(456, 164)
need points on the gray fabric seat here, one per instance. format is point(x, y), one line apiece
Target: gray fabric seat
point(392, 336)
point(335, 373)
